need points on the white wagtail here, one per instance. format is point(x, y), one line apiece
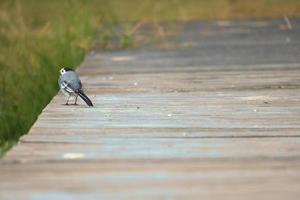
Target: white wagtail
point(70, 85)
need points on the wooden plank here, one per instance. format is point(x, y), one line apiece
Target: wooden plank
point(211, 78)
point(177, 110)
point(159, 179)
point(158, 148)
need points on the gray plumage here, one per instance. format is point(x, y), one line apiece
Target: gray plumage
point(71, 79)
point(70, 85)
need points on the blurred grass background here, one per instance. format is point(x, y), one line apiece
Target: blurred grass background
point(38, 37)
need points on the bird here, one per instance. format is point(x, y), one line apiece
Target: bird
point(70, 85)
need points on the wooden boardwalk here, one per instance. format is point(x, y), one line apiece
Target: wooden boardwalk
point(215, 116)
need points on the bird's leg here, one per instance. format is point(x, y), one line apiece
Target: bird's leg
point(76, 100)
point(67, 103)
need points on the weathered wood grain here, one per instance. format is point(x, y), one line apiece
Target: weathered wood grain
point(218, 118)
point(154, 179)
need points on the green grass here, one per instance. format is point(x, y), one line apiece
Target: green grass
point(38, 37)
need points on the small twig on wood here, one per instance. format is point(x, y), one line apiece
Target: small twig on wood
point(288, 23)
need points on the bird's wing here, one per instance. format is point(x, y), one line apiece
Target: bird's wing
point(70, 82)
point(73, 80)
point(66, 86)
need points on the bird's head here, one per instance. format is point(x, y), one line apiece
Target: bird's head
point(65, 69)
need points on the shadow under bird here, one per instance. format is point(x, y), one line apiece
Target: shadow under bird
point(70, 85)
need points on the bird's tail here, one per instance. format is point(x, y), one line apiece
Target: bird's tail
point(85, 98)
